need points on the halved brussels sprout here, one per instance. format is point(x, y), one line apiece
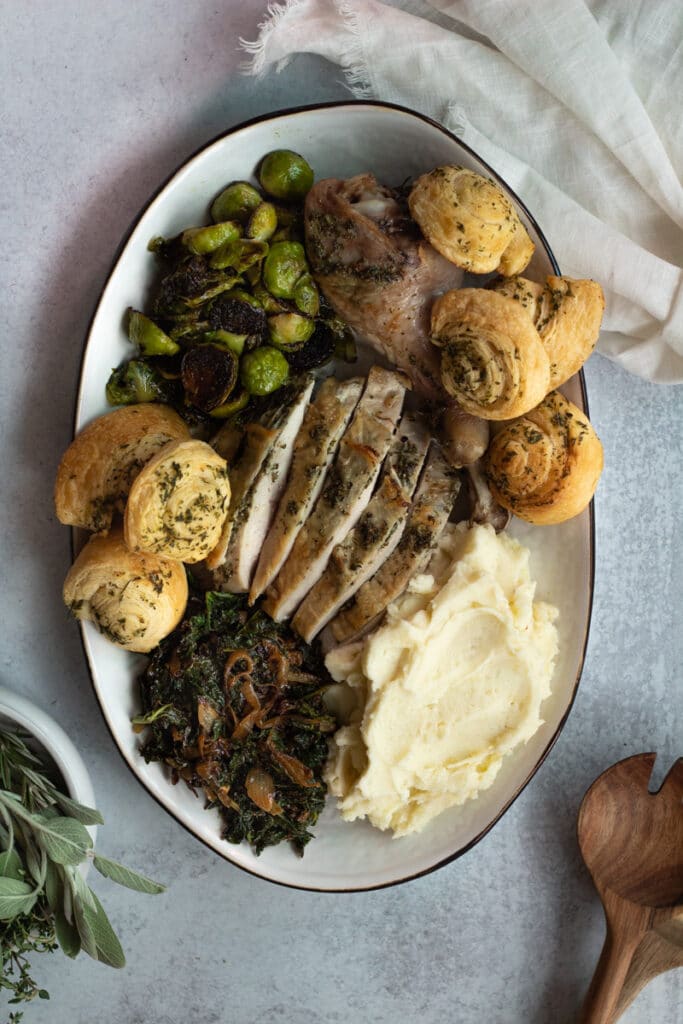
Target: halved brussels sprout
point(135, 382)
point(285, 175)
point(306, 296)
point(317, 351)
point(209, 373)
point(262, 223)
point(264, 370)
point(239, 313)
point(282, 268)
point(207, 239)
point(149, 338)
point(290, 330)
point(236, 202)
point(239, 255)
point(268, 301)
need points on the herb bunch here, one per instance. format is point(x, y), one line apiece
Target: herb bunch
point(44, 899)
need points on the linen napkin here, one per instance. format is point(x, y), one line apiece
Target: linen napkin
point(577, 105)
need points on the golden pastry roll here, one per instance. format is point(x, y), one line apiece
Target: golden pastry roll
point(544, 467)
point(178, 502)
point(135, 600)
point(470, 221)
point(492, 360)
point(100, 464)
point(567, 314)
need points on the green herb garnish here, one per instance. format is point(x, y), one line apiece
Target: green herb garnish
point(44, 900)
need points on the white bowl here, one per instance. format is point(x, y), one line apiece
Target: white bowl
point(17, 711)
point(338, 140)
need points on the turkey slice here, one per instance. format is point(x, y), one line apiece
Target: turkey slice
point(326, 419)
point(374, 536)
point(346, 491)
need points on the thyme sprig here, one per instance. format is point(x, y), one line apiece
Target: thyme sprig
point(44, 899)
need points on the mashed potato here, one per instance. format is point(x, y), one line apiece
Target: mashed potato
point(446, 687)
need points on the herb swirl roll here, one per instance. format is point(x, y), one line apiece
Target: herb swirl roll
point(100, 464)
point(135, 600)
point(544, 466)
point(470, 221)
point(179, 502)
point(492, 361)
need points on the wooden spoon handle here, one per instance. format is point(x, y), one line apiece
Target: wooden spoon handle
point(653, 956)
point(626, 926)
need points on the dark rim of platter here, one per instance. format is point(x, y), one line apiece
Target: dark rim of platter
point(288, 112)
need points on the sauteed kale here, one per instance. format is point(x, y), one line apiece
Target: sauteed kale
point(234, 705)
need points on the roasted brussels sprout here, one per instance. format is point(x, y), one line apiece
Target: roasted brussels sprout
point(239, 313)
point(290, 331)
point(236, 202)
point(189, 285)
point(262, 223)
point(306, 295)
point(209, 373)
point(239, 255)
point(135, 382)
point(226, 339)
point(264, 370)
point(282, 268)
point(285, 175)
point(320, 349)
point(149, 338)
point(207, 239)
point(231, 408)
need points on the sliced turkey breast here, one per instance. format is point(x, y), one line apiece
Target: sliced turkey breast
point(346, 491)
point(255, 513)
point(434, 500)
point(374, 536)
point(257, 441)
point(326, 419)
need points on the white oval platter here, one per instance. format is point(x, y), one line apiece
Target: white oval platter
point(338, 140)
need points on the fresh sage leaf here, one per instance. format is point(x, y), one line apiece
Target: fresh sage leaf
point(109, 949)
point(10, 864)
point(54, 892)
point(124, 876)
point(16, 897)
point(80, 889)
point(86, 815)
point(83, 924)
point(67, 935)
point(64, 840)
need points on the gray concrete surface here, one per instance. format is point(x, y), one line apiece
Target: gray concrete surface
point(100, 101)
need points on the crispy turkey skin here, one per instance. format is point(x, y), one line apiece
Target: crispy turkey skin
point(378, 272)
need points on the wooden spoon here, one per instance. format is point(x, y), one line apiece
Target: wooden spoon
point(632, 843)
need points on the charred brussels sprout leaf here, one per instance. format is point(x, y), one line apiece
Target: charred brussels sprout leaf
point(235, 313)
point(285, 175)
point(209, 374)
point(240, 255)
point(189, 285)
